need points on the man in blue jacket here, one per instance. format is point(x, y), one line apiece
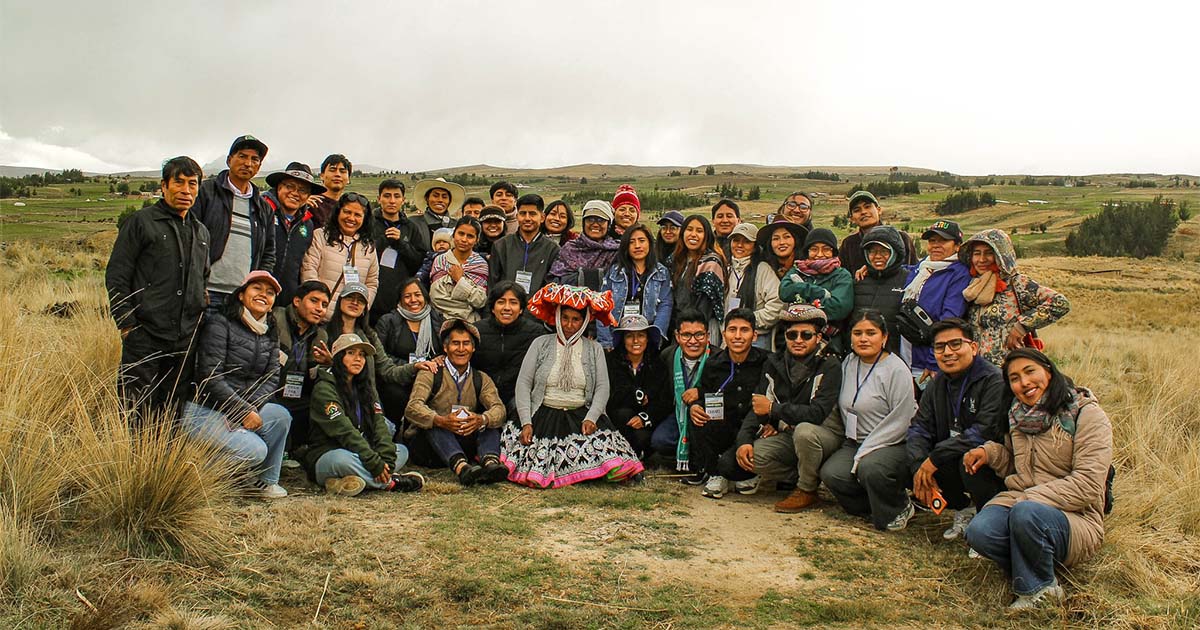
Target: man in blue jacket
point(963, 407)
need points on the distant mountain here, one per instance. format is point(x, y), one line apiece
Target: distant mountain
point(630, 170)
point(21, 171)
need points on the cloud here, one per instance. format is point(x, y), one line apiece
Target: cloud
point(34, 153)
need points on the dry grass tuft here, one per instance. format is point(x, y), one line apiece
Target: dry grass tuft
point(21, 561)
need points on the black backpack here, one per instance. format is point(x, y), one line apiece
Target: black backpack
point(914, 323)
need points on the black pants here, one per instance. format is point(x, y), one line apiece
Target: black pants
point(639, 439)
point(960, 488)
point(298, 437)
point(708, 442)
point(155, 374)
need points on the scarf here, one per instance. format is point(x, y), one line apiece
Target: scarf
point(475, 269)
point(424, 333)
point(681, 415)
point(818, 267)
point(257, 326)
point(584, 253)
point(924, 270)
point(563, 375)
point(1032, 420)
point(985, 286)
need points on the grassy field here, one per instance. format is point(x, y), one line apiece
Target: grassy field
point(98, 530)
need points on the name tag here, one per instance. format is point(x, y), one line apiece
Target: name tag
point(851, 420)
point(293, 385)
point(714, 406)
point(415, 358)
point(525, 279)
point(459, 411)
point(631, 308)
point(350, 273)
point(734, 302)
point(388, 258)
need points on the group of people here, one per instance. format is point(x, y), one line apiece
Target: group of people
point(309, 326)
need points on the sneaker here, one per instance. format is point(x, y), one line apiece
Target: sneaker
point(470, 474)
point(972, 554)
point(270, 491)
point(348, 486)
point(901, 520)
point(493, 471)
point(748, 486)
point(796, 502)
point(1053, 594)
point(696, 479)
point(407, 482)
point(716, 487)
point(962, 518)
point(288, 462)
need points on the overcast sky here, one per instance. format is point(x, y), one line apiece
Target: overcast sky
point(1016, 87)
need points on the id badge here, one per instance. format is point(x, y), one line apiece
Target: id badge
point(293, 385)
point(350, 272)
point(525, 279)
point(388, 258)
point(415, 358)
point(851, 420)
point(631, 308)
point(734, 302)
point(714, 406)
point(460, 412)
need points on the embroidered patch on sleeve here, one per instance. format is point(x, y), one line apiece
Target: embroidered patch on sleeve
point(332, 410)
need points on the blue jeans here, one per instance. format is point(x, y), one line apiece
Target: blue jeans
point(1025, 540)
point(342, 463)
point(665, 438)
point(261, 450)
point(449, 446)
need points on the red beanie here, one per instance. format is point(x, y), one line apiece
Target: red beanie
point(627, 195)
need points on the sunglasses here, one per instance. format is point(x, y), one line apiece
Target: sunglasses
point(354, 198)
point(806, 335)
point(954, 345)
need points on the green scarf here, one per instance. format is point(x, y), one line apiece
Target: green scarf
point(681, 415)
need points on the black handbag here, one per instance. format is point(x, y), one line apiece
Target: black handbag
point(914, 323)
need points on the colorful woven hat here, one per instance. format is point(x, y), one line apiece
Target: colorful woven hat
point(544, 304)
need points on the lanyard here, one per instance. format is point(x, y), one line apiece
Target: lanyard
point(350, 254)
point(688, 378)
point(737, 276)
point(299, 355)
point(635, 284)
point(460, 381)
point(962, 393)
point(358, 414)
point(732, 370)
point(859, 384)
point(525, 262)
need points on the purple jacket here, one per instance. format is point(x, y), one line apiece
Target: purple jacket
point(942, 298)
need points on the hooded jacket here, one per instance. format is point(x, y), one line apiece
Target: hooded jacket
point(956, 415)
point(812, 399)
point(214, 208)
point(942, 298)
point(1024, 302)
point(299, 350)
point(292, 238)
point(853, 254)
point(883, 290)
point(335, 425)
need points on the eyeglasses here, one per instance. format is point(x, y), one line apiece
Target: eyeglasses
point(696, 336)
point(792, 205)
point(806, 335)
point(954, 345)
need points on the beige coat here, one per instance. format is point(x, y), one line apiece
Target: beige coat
point(324, 262)
point(421, 412)
point(1067, 473)
point(461, 299)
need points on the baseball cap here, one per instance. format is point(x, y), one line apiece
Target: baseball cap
point(248, 141)
point(674, 217)
point(862, 195)
point(944, 228)
point(746, 230)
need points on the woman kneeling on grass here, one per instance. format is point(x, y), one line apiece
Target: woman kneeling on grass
point(1056, 457)
point(237, 367)
point(562, 391)
point(350, 446)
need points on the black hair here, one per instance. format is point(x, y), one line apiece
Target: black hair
point(512, 190)
point(472, 201)
point(333, 228)
point(232, 310)
point(730, 204)
point(570, 219)
point(532, 200)
point(1058, 392)
point(363, 323)
point(689, 316)
point(498, 290)
point(870, 315)
point(310, 286)
point(798, 193)
point(413, 280)
point(471, 221)
point(392, 183)
point(623, 257)
point(334, 160)
point(740, 313)
point(182, 165)
point(358, 392)
point(680, 257)
point(953, 323)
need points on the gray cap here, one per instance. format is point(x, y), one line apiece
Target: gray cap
point(355, 287)
point(633, 323)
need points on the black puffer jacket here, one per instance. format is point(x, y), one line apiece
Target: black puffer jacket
point(501, 349)
point(214, 208)
point(882, 290)
point(237, 370)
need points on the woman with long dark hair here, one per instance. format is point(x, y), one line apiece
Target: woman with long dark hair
point(409, 335)
point(1055, 461)
point(343, 251)
point(559, 222)
point(698, 274)
point(458, 279)
point(640, 284)
point(350, 445)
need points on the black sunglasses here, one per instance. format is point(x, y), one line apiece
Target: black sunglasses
point(352, 197)
point(806, 335)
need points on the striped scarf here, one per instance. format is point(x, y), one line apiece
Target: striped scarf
point(475, 269)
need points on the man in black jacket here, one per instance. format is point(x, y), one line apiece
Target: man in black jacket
point(155, 280)
point(962, 408)
point(240, 224)
point(300, 334)
point(794, 424)
point(398, 247)
point(724, 393)
point(524, 257)
point(288, 197)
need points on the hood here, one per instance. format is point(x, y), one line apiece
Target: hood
point(889, 236)
point(1006, 256)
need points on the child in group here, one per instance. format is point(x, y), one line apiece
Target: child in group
point(443, 238)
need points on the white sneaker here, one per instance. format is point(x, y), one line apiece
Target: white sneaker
point(972, 554)
point(962, 518)
point(716, 487)
point(747, 486)
point(901, 520)
point(1053, 593)
point(272, 491)
point(288, 462)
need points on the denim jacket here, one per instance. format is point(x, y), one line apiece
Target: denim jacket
point(657, 300)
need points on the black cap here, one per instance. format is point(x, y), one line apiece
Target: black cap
point(945, 229)
point(249, 141)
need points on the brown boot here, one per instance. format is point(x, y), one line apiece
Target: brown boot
point(797, 501)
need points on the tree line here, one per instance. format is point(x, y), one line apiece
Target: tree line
point(888, 189)
point(23, 186)
point(1137, 229)
point(957, 203)
point(652, 201)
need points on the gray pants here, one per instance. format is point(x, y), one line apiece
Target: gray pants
point(877, 490)
point(796, 457)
